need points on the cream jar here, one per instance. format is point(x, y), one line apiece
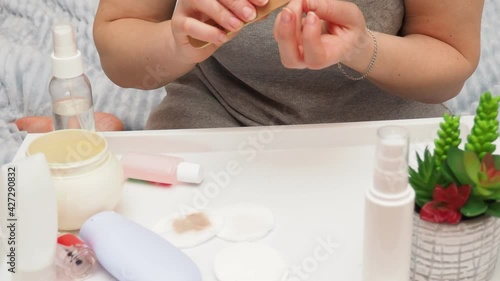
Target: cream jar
point(87, 178)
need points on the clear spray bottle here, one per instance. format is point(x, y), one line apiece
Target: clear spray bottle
point(389, 207)
point(70, 89)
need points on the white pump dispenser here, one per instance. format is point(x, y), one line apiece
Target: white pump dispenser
point(66, 58)
point(389, 207)
point(70, 89)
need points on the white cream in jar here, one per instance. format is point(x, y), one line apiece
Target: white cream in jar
point(88, 179)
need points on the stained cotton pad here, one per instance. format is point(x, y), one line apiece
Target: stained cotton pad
point(249, 262)
point(245, 222)
point(190, 230)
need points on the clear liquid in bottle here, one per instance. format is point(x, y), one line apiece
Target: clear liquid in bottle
point(73, 113)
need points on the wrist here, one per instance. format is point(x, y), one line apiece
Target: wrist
point(362, 58)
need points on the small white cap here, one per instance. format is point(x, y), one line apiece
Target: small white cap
point(190, 172)
point(66, 58)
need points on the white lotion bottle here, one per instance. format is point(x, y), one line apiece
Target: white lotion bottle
point(160, 168)
point(70, 89)
point(389, 207)
point(131, 252)
point(28, 215)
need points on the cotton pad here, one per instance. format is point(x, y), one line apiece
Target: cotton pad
point(245, 222)
point(190, 230)
point(249, 262)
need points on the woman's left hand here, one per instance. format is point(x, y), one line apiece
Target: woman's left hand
point(332, 32)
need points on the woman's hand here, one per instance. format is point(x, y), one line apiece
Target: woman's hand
point(331, 32)
point(190, 17)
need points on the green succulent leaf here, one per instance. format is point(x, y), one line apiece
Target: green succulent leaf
point(469, 147)
point(448, 136)
point(481, 177)
point(479, 190)
point(417, 181)
point(494, 209)
point(439, 142)
point(424, 178)
point(474, 207)
point(422, 201)
point(472, 166)
point(495, 195)
point(456, 162)
point(447, 176)
point(485, 129)
point(493, 184)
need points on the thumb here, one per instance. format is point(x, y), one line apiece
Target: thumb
point(342, 13)
point(35, 124)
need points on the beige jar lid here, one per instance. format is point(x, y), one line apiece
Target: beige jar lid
point(68, 149)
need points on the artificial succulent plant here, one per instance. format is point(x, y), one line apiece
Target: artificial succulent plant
point(451, 183)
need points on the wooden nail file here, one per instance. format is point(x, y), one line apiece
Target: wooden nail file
point(270, 7)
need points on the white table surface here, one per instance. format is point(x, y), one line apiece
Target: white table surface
point(312, 177)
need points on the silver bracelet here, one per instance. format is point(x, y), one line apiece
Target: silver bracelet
point(372, 62)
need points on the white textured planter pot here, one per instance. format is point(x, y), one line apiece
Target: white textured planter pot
point(467, 251)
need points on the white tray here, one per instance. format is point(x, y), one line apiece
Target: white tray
point(313, 177)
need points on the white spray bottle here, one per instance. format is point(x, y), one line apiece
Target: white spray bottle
point(389, 207)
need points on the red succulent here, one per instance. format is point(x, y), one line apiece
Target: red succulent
point(488, 167)
point(446, 204)
point(487, 179)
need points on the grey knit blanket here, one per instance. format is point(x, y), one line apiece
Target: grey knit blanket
point(25, 69)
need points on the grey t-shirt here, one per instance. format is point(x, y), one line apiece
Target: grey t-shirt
point(245, 84)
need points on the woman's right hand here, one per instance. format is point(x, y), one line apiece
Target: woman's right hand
point(190, 17)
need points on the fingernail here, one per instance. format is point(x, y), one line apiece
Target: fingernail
point(263, 2)
point(249, 13)
point(235, 23)
point(311, 18)
point(312, 5)
point(286, 15)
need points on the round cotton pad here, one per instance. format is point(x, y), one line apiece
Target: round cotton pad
point(245, 222)
point(249, 262)
point(190, 230)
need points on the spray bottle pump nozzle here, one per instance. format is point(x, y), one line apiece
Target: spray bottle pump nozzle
point(66, 58)
point(64, 41)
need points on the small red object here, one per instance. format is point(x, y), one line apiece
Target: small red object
point(446, 204)
point(69, 240)
point(439, 212)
